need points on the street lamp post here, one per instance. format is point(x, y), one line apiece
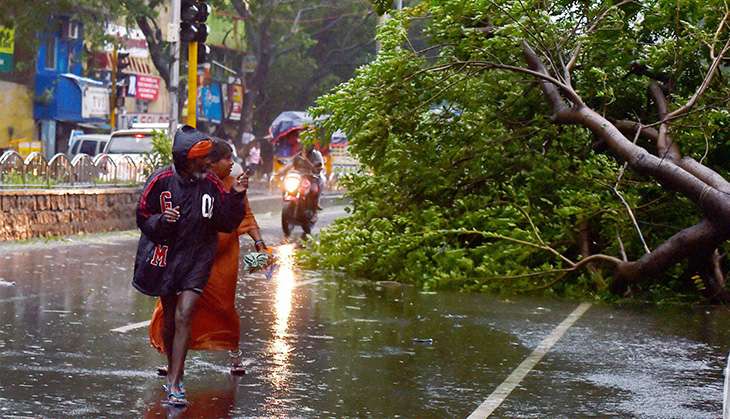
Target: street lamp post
point(173, 36)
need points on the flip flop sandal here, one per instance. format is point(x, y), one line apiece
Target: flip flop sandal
point(238, 370)
point(236, 367)
point(181, 387)
point(177, 399)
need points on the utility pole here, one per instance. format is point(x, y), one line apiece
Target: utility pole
point(113, 101)
point(173, 36)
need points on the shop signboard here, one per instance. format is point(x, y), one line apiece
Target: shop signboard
point(234, 102)
point(210, 106)
point(131, 118)
point(94, 102)
point(7, 49)
point(147, 87)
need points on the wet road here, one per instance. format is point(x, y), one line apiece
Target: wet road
point(319, 345)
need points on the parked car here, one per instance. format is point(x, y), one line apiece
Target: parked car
point(89, 144)
point(127, 148)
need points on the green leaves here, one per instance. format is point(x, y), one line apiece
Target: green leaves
point(467, 182)
point(161, 154)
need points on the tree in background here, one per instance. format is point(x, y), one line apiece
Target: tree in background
point(301, 49)
point(145, 15)
point(532, 140)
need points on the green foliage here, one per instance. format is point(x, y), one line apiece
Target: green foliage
point(161, 154)
point(302, 50)
point(469, 185)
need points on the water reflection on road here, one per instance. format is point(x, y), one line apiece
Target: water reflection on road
point(284, 278)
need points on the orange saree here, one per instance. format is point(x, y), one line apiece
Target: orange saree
point(215, 324)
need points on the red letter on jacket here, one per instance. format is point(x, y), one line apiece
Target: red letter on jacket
point(159, 258)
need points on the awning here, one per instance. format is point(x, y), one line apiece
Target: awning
point(138, 65)
point(99, 125)
point(81, 81)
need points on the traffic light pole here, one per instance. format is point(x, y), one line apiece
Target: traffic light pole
point(173, 36)
point(113, 101)
point(192, 83)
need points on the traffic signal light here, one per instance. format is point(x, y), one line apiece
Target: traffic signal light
point(193, 15)
point(122, 61)
point(188, 10)
point(194, 31)
point(203, 53)
point(122, 86)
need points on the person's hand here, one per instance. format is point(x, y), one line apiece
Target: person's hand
point(241, 183)
point(260, 246)
point(171, 215)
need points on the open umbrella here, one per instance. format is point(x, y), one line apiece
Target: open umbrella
point(287, 122)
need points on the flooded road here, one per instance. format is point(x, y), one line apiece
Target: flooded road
point(323, 345)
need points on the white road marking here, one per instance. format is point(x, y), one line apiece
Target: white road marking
point(726, 389)
point(127, 328)
point(500, 394)
point(18, 298)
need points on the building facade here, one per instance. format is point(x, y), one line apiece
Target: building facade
point(64, 100)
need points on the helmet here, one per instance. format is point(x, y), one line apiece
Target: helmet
point(315, 157)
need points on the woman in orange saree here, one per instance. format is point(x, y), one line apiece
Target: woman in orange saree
point(215, 324)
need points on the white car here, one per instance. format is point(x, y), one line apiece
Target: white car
point(126, 149)
point(89, 144)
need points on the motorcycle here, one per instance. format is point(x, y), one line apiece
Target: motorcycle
point(297, 209)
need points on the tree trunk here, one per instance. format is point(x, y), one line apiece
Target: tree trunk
point(249, 100)
point(584, 242)
point(704, 187)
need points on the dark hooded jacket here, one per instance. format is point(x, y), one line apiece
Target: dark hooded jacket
point(172, 257)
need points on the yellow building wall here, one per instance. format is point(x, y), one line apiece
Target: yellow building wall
point(16, 111)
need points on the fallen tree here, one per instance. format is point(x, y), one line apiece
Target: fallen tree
point(615, 70)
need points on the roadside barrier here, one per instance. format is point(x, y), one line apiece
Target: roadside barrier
point(34, 171)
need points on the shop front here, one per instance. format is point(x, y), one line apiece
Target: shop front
point(142, 98)
point(66, 103)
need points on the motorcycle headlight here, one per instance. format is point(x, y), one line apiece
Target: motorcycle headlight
point(291, 184)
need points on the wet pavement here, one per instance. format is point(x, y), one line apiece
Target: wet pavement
point(323, 345)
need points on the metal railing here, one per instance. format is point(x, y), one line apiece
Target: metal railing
point(34, 171)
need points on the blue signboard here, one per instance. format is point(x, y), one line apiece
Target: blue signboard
point(210, 103)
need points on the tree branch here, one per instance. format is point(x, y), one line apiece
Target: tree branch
point(705, 83)
point(666, 148)
point(633, 219)
point(683, 245)
point(576, 51)
point(704, 173)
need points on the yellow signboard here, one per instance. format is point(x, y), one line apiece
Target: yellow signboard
point(7, 40)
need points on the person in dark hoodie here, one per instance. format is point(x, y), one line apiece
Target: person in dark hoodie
point(180, 212)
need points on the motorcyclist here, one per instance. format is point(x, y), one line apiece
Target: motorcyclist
point(309, 162)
